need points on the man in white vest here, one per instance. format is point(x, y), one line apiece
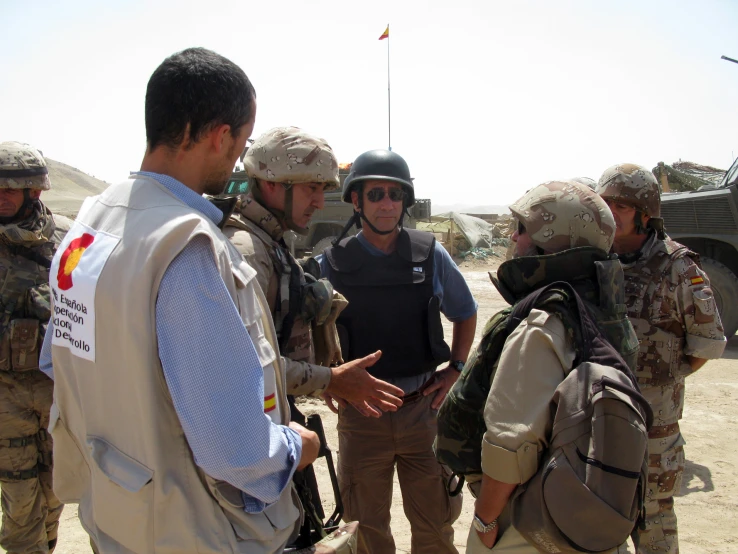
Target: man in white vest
point(170, 423)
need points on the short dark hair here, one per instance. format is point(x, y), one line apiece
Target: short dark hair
point(196, 87)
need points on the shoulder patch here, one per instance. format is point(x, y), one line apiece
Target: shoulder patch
point(73, 278)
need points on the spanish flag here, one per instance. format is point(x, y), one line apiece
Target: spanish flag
point(385, 34)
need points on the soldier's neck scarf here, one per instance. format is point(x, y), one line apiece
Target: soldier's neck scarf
point(252, 210)
point(518, 277)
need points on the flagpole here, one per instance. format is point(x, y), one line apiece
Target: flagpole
point(389, 98)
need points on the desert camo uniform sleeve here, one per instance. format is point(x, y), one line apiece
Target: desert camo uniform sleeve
point(535, 359)
point(704, 335)
point(302, 378)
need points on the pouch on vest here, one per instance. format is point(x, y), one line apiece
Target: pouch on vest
point(24, 344)
point(316, 298)
point(616, 326)
point(589, 491)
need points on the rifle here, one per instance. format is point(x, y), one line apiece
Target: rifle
point(314, 528)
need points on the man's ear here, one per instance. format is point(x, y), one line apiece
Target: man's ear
point(355, 199)
point(268, 186)
point(218, 136)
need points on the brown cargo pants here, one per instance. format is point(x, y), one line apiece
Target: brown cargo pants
point(665, 467)
point(31, 511)
point(369, 449)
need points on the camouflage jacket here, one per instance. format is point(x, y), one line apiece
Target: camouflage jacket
point(26, 250)
point(257, 235)
point(672, 308)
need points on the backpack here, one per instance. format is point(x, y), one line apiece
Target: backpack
point(589, 491)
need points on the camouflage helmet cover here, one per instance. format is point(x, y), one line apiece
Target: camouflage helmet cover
point(22, 167)
point(560, 215)
point(289, 155)
point(591, 183)
point(631, 184)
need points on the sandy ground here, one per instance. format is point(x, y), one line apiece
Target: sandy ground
point(708, 501)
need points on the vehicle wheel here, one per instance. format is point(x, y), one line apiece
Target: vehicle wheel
point(724, 285)
point(322, 244)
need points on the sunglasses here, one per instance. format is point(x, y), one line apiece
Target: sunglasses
point(521, 228)
point(376, 195)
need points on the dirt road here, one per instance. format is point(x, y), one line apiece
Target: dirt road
point(709, 497)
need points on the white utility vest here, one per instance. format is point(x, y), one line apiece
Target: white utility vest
point(119, 448)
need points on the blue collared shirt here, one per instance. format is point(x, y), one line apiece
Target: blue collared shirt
point(213, 373)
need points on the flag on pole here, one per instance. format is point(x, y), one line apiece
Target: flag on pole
point(385, 34)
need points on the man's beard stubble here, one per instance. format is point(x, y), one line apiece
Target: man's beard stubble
point(215, 183)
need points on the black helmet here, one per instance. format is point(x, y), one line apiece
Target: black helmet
point(380, 165)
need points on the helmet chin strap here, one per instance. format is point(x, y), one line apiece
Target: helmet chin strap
point(284, 216)
point(288, 221)
point(359, 216)
point(369, 223)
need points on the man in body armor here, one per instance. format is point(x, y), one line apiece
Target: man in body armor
point(397, 282)
point(289, 171)
point(564, 233)
point(30, 236)
point(674, 314)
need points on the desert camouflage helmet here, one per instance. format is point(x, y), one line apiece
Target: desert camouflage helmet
point(631, 184)
point(22, 167)
point(289, 155)
point(560, 215)
point(591, 183)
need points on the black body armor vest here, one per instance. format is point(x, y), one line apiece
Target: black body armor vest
point(391, 307)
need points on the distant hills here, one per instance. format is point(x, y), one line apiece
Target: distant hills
point(468, 209)
point(69, 188)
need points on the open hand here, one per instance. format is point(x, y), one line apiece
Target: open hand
point(370, 396)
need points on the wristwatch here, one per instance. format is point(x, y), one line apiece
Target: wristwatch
point(482, 527)
point(458, 365)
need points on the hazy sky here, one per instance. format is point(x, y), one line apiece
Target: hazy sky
point(489, 98)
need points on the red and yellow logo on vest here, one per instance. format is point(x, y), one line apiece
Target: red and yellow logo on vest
point(70, 258)
point(73, 277)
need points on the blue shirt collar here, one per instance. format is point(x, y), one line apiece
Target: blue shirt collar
point(185, 194)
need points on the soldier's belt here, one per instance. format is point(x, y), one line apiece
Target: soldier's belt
point(19, 475)
point(412, 397)
point(17, 443)
point(20, 442)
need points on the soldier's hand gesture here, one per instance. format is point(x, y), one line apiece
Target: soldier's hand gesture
point(351, 383)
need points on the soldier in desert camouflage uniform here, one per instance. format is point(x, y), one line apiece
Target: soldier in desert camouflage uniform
point(673, 311)
point(564, 234)
point(29, 236)
point(289, 171)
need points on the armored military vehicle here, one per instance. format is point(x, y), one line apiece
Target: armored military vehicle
point(706, 221)
point(327, 224)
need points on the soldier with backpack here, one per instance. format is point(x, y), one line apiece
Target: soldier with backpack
point(531, 420)
point(673, 311)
